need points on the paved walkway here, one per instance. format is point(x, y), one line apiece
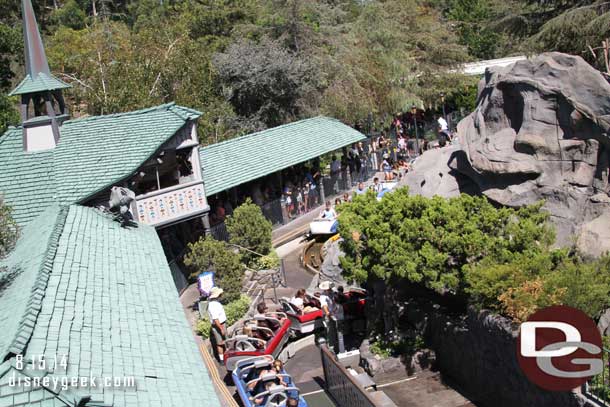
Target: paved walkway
point(425, 390)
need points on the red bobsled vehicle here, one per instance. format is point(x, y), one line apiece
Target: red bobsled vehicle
point(353, 302)
point(263, 335)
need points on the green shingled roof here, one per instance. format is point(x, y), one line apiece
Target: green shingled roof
point(239, 160)
point(27, 274)
point(41, 83)
point(103, 295)
point(93, 153)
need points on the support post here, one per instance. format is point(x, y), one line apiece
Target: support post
point(205, 220)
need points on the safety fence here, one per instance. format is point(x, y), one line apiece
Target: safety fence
point(219, 232)
point(598, 388)
point(341, 385)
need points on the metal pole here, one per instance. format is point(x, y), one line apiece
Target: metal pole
point(445, 114)
point(416, 134)
point(274, 291)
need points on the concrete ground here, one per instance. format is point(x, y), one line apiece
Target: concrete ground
point(425, 390)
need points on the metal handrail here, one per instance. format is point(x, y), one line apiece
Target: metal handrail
point(600, 393)
point(168, 189)
point(355, 393)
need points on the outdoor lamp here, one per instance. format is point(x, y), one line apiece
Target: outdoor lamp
point(413, 110)
point(442, 97)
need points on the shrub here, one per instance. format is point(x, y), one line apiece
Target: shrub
point(248, 228)
point(210, 254)
point(497, 258)
point(234, 311)
point(268, 262)
point(404, 346)
point(520, 302)
point(203, 328)
point(429, 241)
point(237, 309)
point(522, 286)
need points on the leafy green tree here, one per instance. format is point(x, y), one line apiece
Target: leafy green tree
point(265, 82)
point(70, 15)
point(8, 230)
point(10, 52)
point(210, 254)
point(471, 17)
point(429, 241)
point(248, 228)
point(8, 114)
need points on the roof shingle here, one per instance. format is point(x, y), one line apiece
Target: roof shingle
point(93, 153)
point(243, 159)
point(112, 310)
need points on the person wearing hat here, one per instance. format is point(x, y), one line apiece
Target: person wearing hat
point(326, 298)
point(333, 316)
point(218, 318)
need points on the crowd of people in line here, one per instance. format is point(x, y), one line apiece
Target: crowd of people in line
point(295, 191)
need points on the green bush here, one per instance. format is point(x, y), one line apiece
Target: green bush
point(210, 254)
point(497, 258)
point(527, 283)
point(268, 262)
point(234, 311)
point(429, 241)
point(405, 346)
point(248, 228)
point(237, 309)
point(203, 328)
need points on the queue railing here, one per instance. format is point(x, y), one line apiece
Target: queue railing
point(341, 385)
point(598, 388)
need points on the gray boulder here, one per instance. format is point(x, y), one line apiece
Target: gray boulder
point(540, 130)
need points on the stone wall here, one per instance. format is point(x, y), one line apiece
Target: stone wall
point(478, 351)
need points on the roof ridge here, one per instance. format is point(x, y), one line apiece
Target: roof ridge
point(185, 113)
point(28, 320)
point(165, 106)
point(282, 126)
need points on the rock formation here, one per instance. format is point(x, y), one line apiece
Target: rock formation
point(540, 130)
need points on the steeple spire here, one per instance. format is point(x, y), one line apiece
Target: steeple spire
point(35, 57)
point(42, 104)
point(38, 75)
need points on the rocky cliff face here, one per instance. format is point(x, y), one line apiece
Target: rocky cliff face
point(480, 352)
point(541, 130)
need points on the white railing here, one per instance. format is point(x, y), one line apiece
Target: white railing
point(171, 204)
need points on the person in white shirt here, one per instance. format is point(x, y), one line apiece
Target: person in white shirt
point(360, 190)
point(442, 124)
point(326, 299)
point(299, 301)
point(218, 318)
point(333, 314)
point(328, 213)
point(377, 186)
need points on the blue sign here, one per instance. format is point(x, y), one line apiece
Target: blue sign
point(205, 282)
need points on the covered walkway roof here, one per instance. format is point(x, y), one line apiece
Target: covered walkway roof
point(479, 67)
point(246, 158)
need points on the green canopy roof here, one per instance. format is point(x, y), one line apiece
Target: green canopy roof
point(93, 154)
point(79, 284)
point(242, 159)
